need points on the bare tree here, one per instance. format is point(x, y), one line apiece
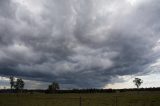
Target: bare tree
point(138, 82)
point(12, 82)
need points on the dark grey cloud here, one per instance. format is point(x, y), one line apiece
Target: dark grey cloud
point(77, 43)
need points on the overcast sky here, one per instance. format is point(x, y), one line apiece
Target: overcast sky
point(80, 43)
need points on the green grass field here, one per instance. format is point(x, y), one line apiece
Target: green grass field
point(95, 99)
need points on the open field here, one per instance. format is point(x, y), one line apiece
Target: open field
point(96, 99)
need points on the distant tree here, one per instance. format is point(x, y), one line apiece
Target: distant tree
point(19, 84)
point(12, 82)
point(53, 87)
point(4, 87)
point(138, 82)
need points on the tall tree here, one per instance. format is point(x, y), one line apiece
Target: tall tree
point(12, 82)
point(138, 82)
point(19, 85)
point(53, 87)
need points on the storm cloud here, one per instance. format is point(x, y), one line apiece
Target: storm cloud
point(78, 43)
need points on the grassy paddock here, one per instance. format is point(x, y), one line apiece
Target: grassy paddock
point(95, 99)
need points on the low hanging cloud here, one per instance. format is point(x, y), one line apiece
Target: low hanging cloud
point(78, 43)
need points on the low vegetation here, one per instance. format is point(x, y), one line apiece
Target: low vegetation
point(143, 98)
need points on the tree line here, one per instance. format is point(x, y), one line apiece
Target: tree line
point(18, 86)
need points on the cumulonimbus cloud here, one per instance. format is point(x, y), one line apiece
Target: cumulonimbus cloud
point(77, 42)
